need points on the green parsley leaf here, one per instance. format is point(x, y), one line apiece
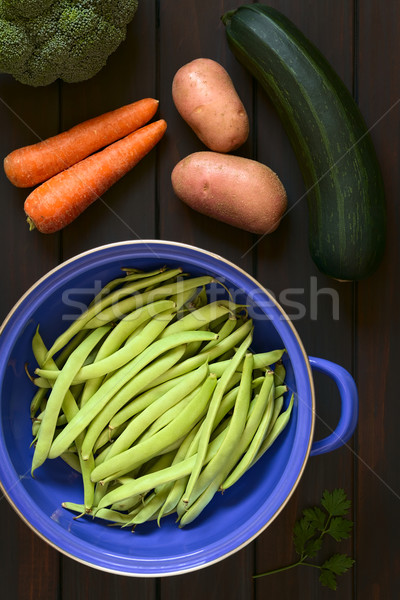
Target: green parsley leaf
point(303, 531)
point(310, 530)
point(312, 547)
point(316, 516)
point(339, 528)
point(328, 579)
point(338, 563)
point(336, 503)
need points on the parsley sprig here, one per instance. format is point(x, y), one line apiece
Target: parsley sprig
point(309, 531)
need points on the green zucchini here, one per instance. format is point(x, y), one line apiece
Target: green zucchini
point(345, 191)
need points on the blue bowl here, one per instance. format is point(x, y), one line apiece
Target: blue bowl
point(230, 521)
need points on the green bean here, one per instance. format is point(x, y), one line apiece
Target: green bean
point(194, 348)
point(202, 501)
point(40, 355)
point(140, 423)
point(247, 459)
point(107, 436)
point(181, 299)
point(117, 380)
point(169, 415)
point(128, 304)
point(148, 482)
point(42, 383)
point(279, 374)
point(208, 424)
point(278, 404)
point(176, 489)
point(261, 361)
point(35, 430)
point(198, 318)
point(95, 309)
point(128, 504)
point(130, 389)
point(201, 298)
point(179, 486)
point(141, 402)
point(57, 395)
point(38, 348)
point(130, 324)
point(119, 334)
point(101, 456)
point(229, 399)
point(100, 490)
point(234, 431)
point(136, 455)
point(276, 430)
point(70, 409)
point(61, 359)
point(62, 419)
point(255, 413)
point(131, 275)
point(37, 400)
point(119, 358)
point(280, 390)
point(210, 482)
point(105, 513)
point(151, 504)
point(195, 361)
point(226, 329)
point(150, 509)
point(155, 464)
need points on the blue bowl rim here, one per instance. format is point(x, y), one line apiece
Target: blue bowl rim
point(151, 243)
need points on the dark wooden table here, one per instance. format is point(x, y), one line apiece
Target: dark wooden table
point(355, 325)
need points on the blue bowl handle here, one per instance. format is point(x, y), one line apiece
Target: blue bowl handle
point(349, 399)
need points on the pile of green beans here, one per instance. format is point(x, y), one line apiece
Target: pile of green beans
point(154, 395)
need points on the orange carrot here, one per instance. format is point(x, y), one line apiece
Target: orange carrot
point(30, 165)
point(59, 200)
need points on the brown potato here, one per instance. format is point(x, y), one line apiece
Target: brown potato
point(206, 99)
point(238, 191)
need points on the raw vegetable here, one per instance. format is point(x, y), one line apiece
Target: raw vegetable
point(43, 40)
point(183, 438)
point(30, 165)
point(344, 184)
point(59, 200)
point(309, 532)
point(236, 190)
point(206, 99)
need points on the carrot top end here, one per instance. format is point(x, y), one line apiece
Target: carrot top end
point(31, 224)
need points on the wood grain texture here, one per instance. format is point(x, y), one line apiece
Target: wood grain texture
point(29, 567)
point(179, 44)
point(127, 210)
point(378, 323)
point(320, 308)
point(356, 326)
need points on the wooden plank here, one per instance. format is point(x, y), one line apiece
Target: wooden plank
point(23, 122)
point(126, 211)
point(28, 565)
point(226, 579)
point(85, 583)
point(320, 309)
point(189, 30)
point(378, 321)
point(192, 30)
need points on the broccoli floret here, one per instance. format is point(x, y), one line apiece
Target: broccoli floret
point(25, 8)
point(66, 39)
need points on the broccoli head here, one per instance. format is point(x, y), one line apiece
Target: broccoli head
point(44, 40)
